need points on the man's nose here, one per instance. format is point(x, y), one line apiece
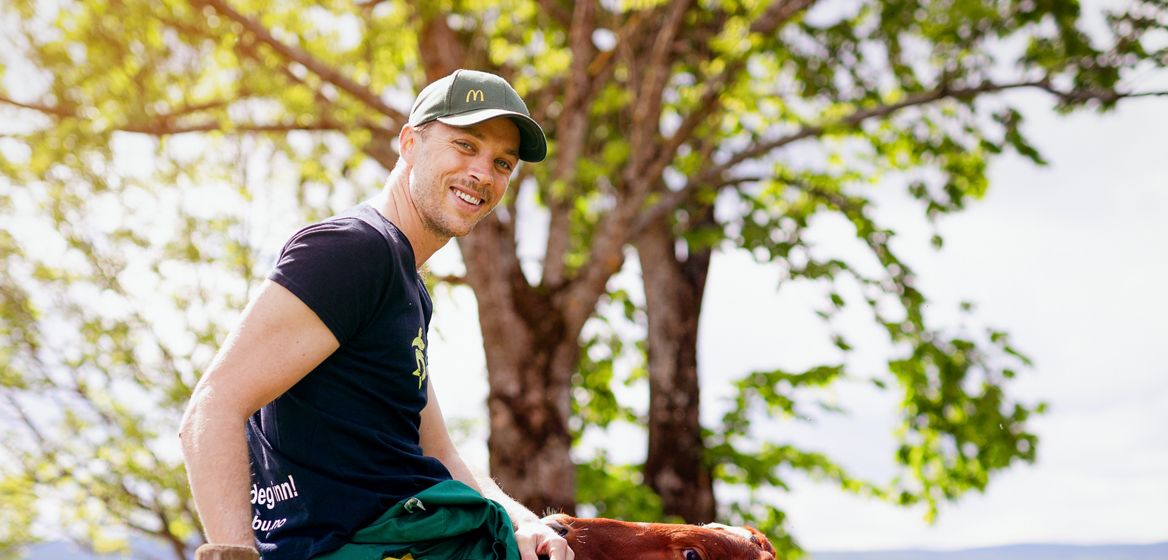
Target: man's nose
point(480, 171)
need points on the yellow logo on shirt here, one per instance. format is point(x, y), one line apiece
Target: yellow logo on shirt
point(420, 356)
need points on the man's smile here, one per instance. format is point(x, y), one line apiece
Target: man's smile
point(466, 196)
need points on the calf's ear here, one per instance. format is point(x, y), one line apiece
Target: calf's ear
point(762, 540)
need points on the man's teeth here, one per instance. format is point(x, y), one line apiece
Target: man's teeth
point(468, 198)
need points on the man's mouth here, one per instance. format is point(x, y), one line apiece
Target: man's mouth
point(466, 197)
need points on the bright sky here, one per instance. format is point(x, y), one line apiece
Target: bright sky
point(1070, 259)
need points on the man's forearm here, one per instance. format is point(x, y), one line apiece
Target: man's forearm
point(517, 511)
point(482, 482)
point(215, 449)
point(531, 535)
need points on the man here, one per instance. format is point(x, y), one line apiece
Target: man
point(324, 382)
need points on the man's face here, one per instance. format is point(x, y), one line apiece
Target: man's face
point(458, 175)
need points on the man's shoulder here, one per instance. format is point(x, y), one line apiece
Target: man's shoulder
point(341, 244)
point(353, 230)
point(365, 221)
point(352, 223)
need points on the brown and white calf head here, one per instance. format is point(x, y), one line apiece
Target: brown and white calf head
point(605, 539)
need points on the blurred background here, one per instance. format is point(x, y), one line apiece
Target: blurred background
point(865, 275)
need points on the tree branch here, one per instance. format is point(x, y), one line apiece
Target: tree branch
point(706, 106)
point(164, 129)
point(778, 13)
point(647, 105)
point(556, 11)
point(572, 131)
point(60, 112)
point(162, 125)
point(205, 106)
point(451, 279)
point(604, 64)
point(176, 544)
point(511, 202)
point(379, 149)
point(674, 199)
point(294, 54)
point(1082, 96)
point(48, 450)
point(862, 115)
point(606, 254)
point(441, 49)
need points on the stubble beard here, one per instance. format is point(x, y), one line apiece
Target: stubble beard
point(429, 197)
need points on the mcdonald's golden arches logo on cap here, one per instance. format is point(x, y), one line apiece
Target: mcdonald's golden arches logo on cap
point(475, 95)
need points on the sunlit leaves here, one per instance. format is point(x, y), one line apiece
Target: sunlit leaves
point(958, 425)
point(125, 261)
point(775, 393)
point(136, 266)
point(617, 491)
point(608, 360)
point(17, 516)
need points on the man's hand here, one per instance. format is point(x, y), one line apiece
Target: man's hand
point(537, 540)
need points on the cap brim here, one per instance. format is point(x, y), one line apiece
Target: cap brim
point(532, 142)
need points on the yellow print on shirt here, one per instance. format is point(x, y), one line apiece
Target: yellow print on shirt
point(420, 356)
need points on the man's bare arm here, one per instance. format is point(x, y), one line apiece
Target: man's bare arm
point(277, 342)
point(532, 536)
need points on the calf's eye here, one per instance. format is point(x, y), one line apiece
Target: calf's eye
point(559, 528)
point(691, 554)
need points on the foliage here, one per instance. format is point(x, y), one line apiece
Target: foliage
point(895, 92)
point(127, 252)
point(154, 153)
point(617, 491)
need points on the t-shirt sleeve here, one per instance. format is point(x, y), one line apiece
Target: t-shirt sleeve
point(340, 269)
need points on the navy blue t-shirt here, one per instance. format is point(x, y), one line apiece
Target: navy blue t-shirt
point(341, 446)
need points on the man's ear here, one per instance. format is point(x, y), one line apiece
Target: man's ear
point(406, 142)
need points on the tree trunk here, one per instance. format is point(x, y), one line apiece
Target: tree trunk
point(531, 334)
point(530, 442)
point(531, 352)
point(675, 467)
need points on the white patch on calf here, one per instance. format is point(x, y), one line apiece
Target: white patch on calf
point(737, 531)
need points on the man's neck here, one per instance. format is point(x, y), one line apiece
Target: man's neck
point(394, 202)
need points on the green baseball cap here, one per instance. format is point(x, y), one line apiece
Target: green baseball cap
point(469, 97)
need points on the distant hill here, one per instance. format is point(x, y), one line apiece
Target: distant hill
point(1159, 551)
point(142, 550)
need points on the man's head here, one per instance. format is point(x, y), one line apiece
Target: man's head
point(469, 97)
point(465, 135)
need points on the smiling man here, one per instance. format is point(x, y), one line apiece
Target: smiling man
point(323, 386)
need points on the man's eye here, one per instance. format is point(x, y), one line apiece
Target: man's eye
point(463, 145)
point(504, 164)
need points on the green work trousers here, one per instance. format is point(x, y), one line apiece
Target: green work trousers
point(449, 520)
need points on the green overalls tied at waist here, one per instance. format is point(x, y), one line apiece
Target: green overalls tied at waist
point(449, 520)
